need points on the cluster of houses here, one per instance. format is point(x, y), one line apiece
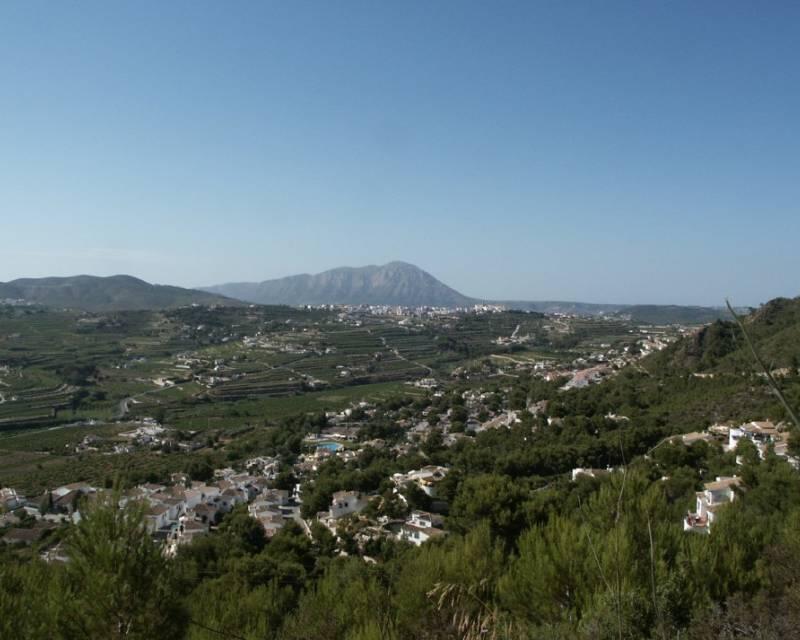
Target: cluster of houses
point(47, 512)
point(180, 512)
point(417, 528)
point(764, 435)
point(175, 514)
point(146, 434)
point(584, 377)
point(596, 366)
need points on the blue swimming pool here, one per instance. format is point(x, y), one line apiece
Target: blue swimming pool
point(329, 446)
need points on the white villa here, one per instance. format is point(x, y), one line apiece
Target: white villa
point(714, 495)
point(760, 433)
point(420, 527)
point(347, 502)
point(426, 478)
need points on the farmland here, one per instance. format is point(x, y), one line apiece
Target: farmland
point(68, 374)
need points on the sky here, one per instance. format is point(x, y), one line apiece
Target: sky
point(625, 152)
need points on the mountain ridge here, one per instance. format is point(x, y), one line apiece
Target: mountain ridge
point(105, 293)
point(331, 287)
point(396, 283)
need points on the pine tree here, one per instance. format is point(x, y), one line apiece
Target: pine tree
point(119, 584)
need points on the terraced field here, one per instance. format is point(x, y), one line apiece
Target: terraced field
point(218, 363)
point(221, 371)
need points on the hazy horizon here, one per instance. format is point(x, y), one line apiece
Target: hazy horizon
point(488, 298)
point(625, 153)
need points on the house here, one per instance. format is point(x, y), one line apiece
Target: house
point(473, 425)
point(194, 496)
point(709, 500)
point(346, 502)
point(426, 519)
point(229, 498)
point(204, 513)
point(271, 520)
point(577, 472)
point(175, 506)
point(279, 497)
point(27, 536)
point(8, 520)
point(157, 517)
point(10, 499)
point(503, 420)
point(420, 527)
point(185, 532)
point(181, 479)
point(585, 377)
point(67, 503)
point(425, 478)
point(56, 553)
point(760, 433)
point(80, 487)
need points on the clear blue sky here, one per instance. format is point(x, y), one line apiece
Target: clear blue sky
point(594, 151)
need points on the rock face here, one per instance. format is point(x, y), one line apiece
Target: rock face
point(395, 283)
point(114, 293)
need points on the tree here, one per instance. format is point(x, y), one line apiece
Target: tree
point(286, 480)
point(242, 532)
point(31, 596)
point(200, 470)
point(119, 583)
point(494, 498)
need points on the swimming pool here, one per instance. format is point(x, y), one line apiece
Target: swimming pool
point(330, 446)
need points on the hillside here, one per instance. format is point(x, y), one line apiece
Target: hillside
point(706, 377)
point(113, 293)
point(774, 328)
point(395, 283)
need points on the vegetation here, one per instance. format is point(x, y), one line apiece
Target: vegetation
point(531, 553)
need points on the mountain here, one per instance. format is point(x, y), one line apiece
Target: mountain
point(400, 283)
point(114, 293)
point(395, 283)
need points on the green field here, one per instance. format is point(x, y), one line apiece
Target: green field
point(219, 370)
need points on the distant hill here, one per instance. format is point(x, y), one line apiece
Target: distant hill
point(673, 314)
point(113, 293)
point(395, 283)
point(774, 328)
point(403, 284)
point(642, 313)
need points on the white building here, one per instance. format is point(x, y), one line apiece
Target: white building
point(420, 527)
point(714, 495)
point(577, 472)
point(426, 478)
point(759, 433)
point(347, 502)
point(10, 499)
